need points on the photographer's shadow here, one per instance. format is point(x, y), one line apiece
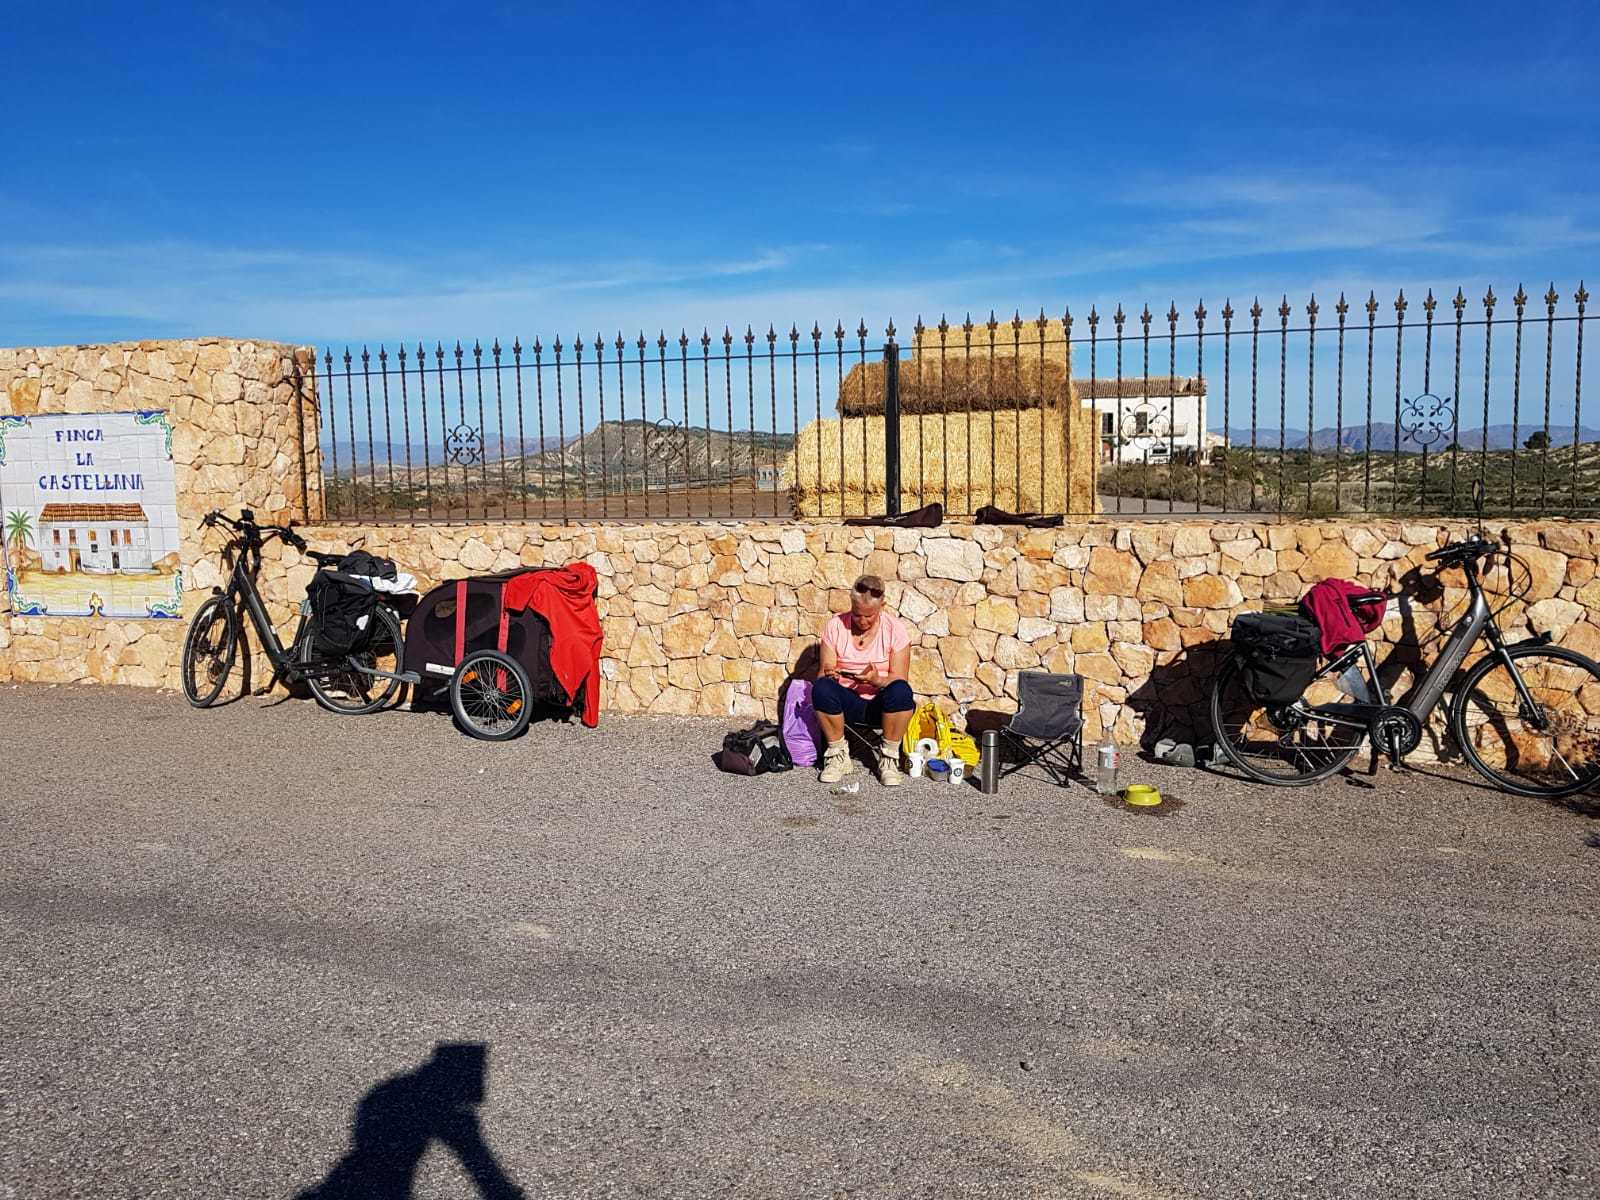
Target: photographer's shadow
point(401, 1117)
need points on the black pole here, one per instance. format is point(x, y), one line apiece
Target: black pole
point(891, 426)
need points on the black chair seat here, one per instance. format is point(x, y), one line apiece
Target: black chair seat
point(1047, 728)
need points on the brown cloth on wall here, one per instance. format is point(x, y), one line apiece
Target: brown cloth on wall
point(929, 516)
point(990, 515)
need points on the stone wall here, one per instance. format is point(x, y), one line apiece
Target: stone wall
point(237, 420)
point(710, 618)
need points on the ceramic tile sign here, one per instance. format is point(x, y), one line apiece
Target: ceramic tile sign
point(89, 515)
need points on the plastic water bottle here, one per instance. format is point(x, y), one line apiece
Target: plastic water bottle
point(1108, 757)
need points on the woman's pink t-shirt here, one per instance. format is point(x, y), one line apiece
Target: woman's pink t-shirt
point(890, 635)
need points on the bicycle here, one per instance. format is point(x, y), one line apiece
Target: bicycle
point(362, 681)
point(1520, 715)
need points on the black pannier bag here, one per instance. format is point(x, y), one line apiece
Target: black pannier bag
point(758, 750)
point(342, 607)
point(1278, 655)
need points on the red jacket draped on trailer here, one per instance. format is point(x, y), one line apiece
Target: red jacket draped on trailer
point(565, 598)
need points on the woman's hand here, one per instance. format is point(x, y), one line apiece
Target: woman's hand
point(872, 677)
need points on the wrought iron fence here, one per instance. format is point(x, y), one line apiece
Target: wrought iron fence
point(1132, 413)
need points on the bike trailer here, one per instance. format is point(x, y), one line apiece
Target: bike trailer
point(552, 632)
point(1278, 654)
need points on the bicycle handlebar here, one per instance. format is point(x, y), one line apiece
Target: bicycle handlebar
point(246, 525)
point(1471, 550)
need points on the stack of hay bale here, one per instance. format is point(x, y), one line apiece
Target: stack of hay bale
point(982, 421)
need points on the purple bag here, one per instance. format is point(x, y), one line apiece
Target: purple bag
point(802, 736)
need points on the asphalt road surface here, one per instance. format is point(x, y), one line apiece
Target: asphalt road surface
point(221, 933)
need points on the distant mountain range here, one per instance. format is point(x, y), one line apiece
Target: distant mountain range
point(618, 451)
point(1355, 437)
point(632, 450)
point(363, 456)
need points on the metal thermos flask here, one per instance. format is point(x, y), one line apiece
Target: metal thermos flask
point(989, 762)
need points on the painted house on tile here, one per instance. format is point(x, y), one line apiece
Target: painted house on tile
point(95, 538)
point(1150, 419)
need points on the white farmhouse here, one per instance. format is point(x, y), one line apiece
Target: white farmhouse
point(1148, 419)
point(95, 538)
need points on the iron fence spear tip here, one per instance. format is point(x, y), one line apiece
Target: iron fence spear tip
point(1550, 297)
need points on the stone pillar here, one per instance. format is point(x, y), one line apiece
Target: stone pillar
point(244, 420)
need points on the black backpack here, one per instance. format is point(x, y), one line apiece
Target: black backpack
point(1278, 654)
point(758, 750)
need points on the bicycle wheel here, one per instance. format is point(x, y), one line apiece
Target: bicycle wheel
point(209, 648)
point(1549, 749)
point(1287, 747)
point(348, 689)
point(489, 696)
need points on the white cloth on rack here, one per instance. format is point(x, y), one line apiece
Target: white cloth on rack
point(403, 581)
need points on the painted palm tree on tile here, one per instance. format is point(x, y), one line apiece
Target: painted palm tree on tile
point(18, 533)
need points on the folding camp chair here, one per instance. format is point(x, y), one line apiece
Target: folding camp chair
point(1047, 727)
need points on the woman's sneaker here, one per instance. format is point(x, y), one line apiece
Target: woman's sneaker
point(889, 767)
point(836, 763)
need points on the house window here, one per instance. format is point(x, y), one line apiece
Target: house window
point(56, 536)
point(1141, 422)
point(72, 537)
point(113, 537)
point(1107, 424)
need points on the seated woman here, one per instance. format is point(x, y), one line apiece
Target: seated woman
point(866, 656)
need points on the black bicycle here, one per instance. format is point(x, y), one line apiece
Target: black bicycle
point(367, 678)
point(1524, 715)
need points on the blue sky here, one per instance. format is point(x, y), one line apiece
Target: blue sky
point(338, 173)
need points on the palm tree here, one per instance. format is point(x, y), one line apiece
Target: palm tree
point(19, 532)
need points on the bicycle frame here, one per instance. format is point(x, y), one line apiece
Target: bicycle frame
point(242, 586)
point(1477, 622)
